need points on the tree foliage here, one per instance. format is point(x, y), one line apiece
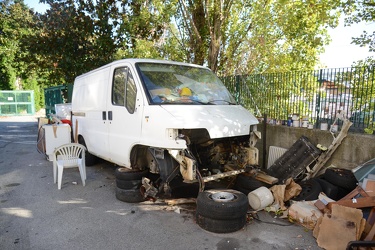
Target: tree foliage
point(229, 36)
point(143, 29)
point(66, 42)
point(361, 11)
point(15, 17)
point(75, 36)
point(251, 36)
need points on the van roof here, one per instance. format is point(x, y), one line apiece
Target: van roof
point(133, 61)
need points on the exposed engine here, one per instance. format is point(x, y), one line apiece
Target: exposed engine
point(204, 159)
point(214, 156)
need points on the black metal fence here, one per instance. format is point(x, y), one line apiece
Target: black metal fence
point(319, 96)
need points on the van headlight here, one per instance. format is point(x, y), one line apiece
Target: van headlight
point(172, 134)
point(253, 128)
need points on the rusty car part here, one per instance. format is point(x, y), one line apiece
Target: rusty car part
point(294, 162)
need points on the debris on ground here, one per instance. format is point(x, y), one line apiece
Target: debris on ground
point(338, 227)
point(285, 192)
point(305, 213)
point(338, 204)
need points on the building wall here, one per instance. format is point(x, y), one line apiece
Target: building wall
point(354, 150)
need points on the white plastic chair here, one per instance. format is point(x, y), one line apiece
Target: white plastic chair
point(69, 156)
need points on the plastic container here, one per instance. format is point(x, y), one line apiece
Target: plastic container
point(334, 128)
point(289, 122)
point(296, 124)
point(260, 198)
point(324, 126)
point(295, 117)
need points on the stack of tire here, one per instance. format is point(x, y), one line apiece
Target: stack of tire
point(128, 184)
point(335, 183)
point(245, 183)
point(221, 210)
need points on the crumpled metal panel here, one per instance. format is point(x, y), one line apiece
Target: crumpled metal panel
point(294, 161)
point(362, 171)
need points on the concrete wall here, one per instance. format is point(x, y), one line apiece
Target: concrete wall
point(354, 150)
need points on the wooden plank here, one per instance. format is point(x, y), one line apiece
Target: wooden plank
point(371, 234)
point(172, 202)
point(371, 217)
point(355, 202)
point(356, 191)
point(266, 178)
point(325, 156)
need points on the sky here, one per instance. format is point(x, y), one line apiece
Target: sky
point(338, 54)
point(39, 7)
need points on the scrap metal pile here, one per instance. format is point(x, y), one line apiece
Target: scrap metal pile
point(338, 204)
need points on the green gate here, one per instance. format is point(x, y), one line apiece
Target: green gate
point(57, 95)
point(17, 102)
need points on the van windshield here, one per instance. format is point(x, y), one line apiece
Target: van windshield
point(177, 84)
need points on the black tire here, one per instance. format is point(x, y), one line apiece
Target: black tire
point(123, 184)
point(129, 174)
point(220, 226)
point(249, 183)
point(341, 177)
point(180, 189)
point(222, 204)
point(342, 192)
point(328, 188)
point(90, 160)
point(242, 190)
point(310, 190)
point(129, 195)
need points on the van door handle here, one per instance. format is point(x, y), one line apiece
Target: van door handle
point(104, 115)
point(110, 115)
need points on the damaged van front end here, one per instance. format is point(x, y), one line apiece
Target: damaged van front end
point(200, 137)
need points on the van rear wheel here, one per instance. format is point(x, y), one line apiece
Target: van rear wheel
point(89, 158)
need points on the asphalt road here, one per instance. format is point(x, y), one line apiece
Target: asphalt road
point(34, 214)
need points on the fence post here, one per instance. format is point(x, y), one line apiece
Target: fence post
point(317, 106)
point(238, 89)
point(264, 137)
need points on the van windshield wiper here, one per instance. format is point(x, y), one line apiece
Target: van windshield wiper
point(215, 101)
point(189, 102)
point(199, 102)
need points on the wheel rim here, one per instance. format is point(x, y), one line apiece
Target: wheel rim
point(222, 197)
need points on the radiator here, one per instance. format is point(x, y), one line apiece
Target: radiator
point(274, 153)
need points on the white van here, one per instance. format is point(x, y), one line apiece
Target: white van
point(170, 118)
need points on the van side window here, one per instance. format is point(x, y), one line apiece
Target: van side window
point(124, 90)
point(118, 90)
point(131, 93)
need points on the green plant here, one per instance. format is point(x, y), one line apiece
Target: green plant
point(370, 129)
